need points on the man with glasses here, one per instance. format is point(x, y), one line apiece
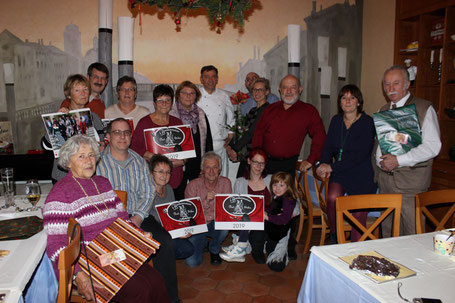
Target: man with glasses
point(128, 171)
point(126, 106)
point(250, 103)
point(98, 76)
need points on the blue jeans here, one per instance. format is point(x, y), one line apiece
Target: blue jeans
point(199, 242)
point(183, 248)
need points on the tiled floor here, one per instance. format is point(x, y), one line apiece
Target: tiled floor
point(242, 282)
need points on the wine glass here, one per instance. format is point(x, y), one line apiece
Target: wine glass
point(33, 193)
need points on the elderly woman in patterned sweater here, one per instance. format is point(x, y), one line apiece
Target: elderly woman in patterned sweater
point(93, 203)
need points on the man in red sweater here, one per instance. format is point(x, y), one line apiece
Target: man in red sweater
point(98, 75)
point(284, 125)
point(280, 133)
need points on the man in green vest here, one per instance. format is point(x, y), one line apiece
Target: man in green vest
point(409, 173)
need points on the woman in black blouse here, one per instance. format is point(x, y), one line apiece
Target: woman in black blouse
point(239, 148)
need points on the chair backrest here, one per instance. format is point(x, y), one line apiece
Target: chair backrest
point(321, 185)
point(441, 198)
point(301, 180)
point(67, 260)
point(389, 202)
point(122, 196)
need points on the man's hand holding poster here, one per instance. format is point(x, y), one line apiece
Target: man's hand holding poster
point(183, 217)
point(239, 212)
point(175, 142)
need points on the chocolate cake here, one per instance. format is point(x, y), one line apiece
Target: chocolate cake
point(375, 265)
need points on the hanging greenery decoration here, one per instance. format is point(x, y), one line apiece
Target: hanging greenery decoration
point(217, 9)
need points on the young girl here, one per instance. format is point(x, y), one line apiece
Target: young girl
point(278, 214)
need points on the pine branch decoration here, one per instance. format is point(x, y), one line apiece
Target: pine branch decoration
point(217, 9)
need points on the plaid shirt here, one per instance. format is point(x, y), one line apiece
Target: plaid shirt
point(134, 178)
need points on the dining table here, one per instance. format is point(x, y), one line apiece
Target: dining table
point(329, 279)
point(24, 255)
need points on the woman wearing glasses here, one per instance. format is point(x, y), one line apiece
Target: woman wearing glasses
point(126, 106)
point(255, 182)
point(185, 108)
point(239, 147)
point(161, 169)
point(163, 96)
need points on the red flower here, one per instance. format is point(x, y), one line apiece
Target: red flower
point(239, 98)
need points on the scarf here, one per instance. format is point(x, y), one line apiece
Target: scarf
point(191, 117)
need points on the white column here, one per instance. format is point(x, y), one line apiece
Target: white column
point(294, 50)
point(125, 46)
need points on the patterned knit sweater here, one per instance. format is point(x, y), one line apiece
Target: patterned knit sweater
point(66, 200)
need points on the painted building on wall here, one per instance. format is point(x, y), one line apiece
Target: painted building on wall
point(39, 74)
point(255, 64)
point(276, 64)
point(334, 54)
point(40, 71)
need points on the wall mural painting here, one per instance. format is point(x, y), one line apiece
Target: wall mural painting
point(43, 42)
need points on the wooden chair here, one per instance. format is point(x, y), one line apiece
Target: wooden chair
point(122, 196)
point(311, 210)
point(321, 185)
point(301, 210)
point(443, 197)
point(67, 260)
point(345, 204)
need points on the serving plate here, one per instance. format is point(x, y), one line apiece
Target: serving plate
point(404, 271)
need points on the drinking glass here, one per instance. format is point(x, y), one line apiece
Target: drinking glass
point(8, 185)
point(33, 193)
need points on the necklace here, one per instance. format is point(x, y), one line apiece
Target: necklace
point(97, 190)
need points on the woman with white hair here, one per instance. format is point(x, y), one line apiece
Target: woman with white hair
point(93, 203)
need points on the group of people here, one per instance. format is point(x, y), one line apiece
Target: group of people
point(268, 152)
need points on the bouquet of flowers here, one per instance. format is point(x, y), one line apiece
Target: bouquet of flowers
point(239, 98)
point(240, 125)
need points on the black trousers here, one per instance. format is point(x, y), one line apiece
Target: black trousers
point(164, 259)
point(287, 165)
point(146, 285)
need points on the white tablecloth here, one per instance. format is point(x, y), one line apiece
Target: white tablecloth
point(17, 268)
point(329, 279)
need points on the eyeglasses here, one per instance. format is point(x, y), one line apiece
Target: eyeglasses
point(188, 94)
point(256, 90)
point(98, 77)
point(130, 90)
point(162, 172)
point(163, 101)
point(257, 163)
point(119, 133)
